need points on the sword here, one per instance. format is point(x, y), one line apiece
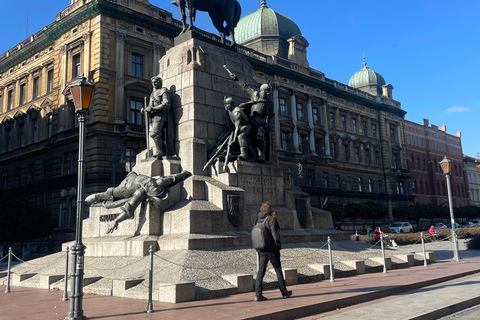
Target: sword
point(147, 126)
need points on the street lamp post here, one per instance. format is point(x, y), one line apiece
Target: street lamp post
point(82, 93)
point(446, 165)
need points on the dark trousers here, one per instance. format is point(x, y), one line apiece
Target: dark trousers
point(274, 259)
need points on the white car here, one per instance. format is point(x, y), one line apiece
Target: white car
point(401, 227)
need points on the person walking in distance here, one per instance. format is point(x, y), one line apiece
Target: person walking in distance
point(271, 252)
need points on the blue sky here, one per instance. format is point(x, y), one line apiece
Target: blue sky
point(428, 50)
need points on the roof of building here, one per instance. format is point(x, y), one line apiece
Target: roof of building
point(265, 22)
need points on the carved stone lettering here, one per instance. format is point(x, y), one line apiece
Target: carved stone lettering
point(108, 217)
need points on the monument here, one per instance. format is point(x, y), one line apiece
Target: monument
point(224, 147)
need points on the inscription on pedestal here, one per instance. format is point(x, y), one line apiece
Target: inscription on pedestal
point(108, 217)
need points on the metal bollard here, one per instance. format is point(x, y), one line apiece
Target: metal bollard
point(424, 253)
point(9, 267)
point(65, 279)
point(150, 281)
point(331, 260)
point(383, 253)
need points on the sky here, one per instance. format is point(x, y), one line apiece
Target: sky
point(429, 50)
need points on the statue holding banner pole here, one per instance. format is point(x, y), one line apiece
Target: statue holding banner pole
point(160, 126)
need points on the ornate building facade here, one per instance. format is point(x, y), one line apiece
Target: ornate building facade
point(472, 170)
point(426, 146)
point(336, 141)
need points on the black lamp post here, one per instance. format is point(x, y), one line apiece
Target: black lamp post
point(446, 165)
point(82, 93)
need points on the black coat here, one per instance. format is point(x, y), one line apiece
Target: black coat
point(272, 242)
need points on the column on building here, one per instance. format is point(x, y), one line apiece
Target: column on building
point(293, 102)
point(276, 110)
point(326, 126)
point(86, 53)
point(120, 112)
point(310, 124)
point(63, 72)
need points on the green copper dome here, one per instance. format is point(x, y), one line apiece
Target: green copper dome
point(267, 26)
point(367, 80)
point(366, 77)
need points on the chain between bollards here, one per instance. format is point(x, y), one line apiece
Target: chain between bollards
point(331, 260)
point(383, 253)
point(9, 267)
point(424, 253)
point(150, 282)
point(65, 288)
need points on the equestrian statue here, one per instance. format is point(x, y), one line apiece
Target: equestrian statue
point(220, 11)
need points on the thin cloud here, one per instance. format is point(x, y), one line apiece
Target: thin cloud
point(457, 110)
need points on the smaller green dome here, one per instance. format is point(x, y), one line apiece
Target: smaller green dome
point(366, 77)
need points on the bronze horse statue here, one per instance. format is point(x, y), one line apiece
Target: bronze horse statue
point(220, 11)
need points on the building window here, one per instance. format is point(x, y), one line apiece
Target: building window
point(50, 125)
point(370, 185)
point(31, 173)
point(22, 94)
point(344, 123)
point(130, 158)
point(283, 107)
point(300, 111)
point(325, 179)
point(374, 130)
point(334, 150)
point(346, 149)
point(332, 120)
point(10, 100)
point(360, 185)
point(137, 65)
point(364, 126)
point(315, 116)
point(20, 135)
point(36, 87)
point(136, 116)
point(68, 212)
point(304, 144)
point(354, 126)
point(349, 183)
point(50, 81)
point(377, 159)
point(357, 155)
point(319, 147)
point(367, 157)
point(286, 138)
point(76, 65)
point(70, 162)
point(34, 130)
point(393, 136)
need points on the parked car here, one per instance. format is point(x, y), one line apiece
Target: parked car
point(439, 225)
point(476, 222)
point(385, 229)
point(467, 224)
point(401, 227)
point(457, 226)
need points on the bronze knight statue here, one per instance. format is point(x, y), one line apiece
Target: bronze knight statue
point(132, 191)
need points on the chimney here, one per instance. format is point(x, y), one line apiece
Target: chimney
point(443, 128)
point(459, 134)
